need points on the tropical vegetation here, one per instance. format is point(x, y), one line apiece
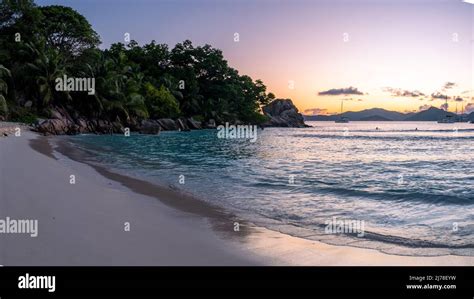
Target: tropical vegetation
point(39, 44)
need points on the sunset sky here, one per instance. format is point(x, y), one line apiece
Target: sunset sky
point(394, 54)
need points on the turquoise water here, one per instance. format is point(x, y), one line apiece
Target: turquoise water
point(411, 183)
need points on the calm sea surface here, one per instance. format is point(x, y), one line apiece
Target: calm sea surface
point(410, 183)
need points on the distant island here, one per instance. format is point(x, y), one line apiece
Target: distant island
point(379, 114)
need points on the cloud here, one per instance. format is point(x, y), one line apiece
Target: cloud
point(341, 91)
point(316, 111)
point(459, 99)
point(469, 108)
point(438, 95)
point(424, 107)
point(397, 92)
point(449, 85)
point(445, 106)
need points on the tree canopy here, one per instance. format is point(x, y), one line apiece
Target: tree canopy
point(67, 30)
point(40, 44)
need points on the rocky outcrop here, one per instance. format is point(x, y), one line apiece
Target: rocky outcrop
point(167, 124)
point(193, 124)
point(62, 123)
point(149, 127)
point(211, 124)
point(283, 113)
point(182, 124)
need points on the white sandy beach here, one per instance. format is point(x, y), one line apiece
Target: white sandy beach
point(83, 223)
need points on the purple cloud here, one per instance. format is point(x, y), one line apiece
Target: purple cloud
point(341, 91)
point(397, 92)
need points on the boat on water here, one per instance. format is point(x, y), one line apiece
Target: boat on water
point(448, 119)
point(342, 119)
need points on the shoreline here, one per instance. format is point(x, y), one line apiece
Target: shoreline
point(85, 224)
point(264, 246)
point(220, 217)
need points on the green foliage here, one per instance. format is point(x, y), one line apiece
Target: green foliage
point(137, 107)
point(67, 30)
point(22, 115)
point(199, 118)
point(131, 81)
point(3, 106)
point(12, 10)
point(258, 118)
point(160, 102)
point(4, 74)
point(48, 65)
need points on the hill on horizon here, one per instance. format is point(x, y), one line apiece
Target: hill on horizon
point(379, 114)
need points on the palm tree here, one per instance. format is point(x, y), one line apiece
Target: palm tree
point(135, 102)
point(118, 88)
point(48, 65)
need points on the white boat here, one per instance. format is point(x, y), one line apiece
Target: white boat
point(447, 119)
point(342, 119)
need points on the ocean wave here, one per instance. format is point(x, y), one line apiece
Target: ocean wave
point(399, 195)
